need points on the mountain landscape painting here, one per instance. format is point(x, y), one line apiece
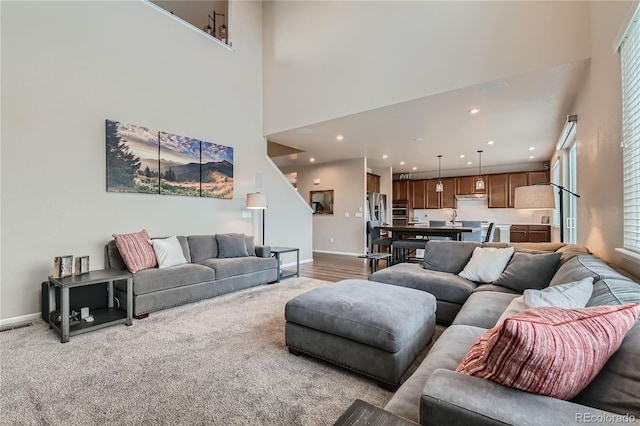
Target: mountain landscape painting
point(216, 172)
point(179, 165)
point(132, 158)
point(149, 161)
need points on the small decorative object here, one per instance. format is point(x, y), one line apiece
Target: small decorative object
point(210, 28)
point(545, 219)
point(62, 266)
point(81, 265)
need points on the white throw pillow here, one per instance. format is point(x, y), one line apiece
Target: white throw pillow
point(486, 264)
point(168, 252)
point(573, 295)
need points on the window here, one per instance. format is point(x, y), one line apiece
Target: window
point(630, 55)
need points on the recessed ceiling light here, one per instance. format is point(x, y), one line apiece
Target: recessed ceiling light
point(312, 159)
point(402, 163)
point(461, 155)
point(532, 148)
point(385, 156)
point(304, 131)
point(474, 110)
point(417, 139)
point(414, 168)
point(339, 138)
point(469, 163)
point(531, 157)
point(490, 142)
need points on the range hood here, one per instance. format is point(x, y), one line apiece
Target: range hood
point(472, 197)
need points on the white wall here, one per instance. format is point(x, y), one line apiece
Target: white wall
point(598, 136)
point(68, 66)
point(404, 50)
point(348, 180)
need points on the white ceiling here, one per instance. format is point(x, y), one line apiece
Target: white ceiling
point(517, 113)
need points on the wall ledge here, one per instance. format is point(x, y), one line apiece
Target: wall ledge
point(629, 255)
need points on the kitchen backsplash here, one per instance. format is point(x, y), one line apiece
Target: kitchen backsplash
point(478, 210)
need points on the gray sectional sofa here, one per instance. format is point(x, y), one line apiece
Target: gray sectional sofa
point(205, 275)
point(435, 394)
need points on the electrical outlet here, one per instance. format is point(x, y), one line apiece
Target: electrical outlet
point(358, 214)
point(346, 214)
point(246, 215)
point(331, 239)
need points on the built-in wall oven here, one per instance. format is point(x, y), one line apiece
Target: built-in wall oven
point(400, 214)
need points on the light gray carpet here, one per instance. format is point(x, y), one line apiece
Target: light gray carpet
point(220, 361)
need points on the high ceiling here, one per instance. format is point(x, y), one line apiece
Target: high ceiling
point(517, 113)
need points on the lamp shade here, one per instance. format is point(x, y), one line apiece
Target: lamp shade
point(256, 201)
point(535, 197)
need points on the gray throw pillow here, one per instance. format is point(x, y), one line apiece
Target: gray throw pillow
point(529, 270)
point(231, 245)
point(251, 245)
point(448, 256)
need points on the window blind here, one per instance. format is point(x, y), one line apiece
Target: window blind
point(630, 56)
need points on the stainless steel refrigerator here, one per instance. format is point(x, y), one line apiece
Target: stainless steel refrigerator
point(377, 207)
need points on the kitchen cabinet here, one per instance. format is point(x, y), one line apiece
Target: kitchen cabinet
point(538, 177)
point(432, 197)
point(448, 196)
point(373, 183)
point(530, 234)
point(498, 186)
point(418, 196)
point(519, 234)
point(516, 180)
point(401, 190)
point(539, 234)
point(467, 185)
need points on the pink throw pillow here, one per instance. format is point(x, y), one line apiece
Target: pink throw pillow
point(136, 251)
point(550, 351)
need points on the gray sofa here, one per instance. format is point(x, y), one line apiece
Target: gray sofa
point(204, 276)
point(435, 394)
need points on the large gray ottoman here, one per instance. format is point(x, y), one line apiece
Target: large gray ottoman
point(372, 328)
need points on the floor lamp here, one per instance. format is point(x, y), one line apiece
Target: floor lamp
point(257, 201)
point(540, 197)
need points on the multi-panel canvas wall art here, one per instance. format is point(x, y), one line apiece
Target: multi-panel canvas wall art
point(150, 161)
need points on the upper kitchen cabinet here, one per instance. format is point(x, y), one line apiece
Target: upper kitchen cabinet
point(498, 190)
point(373, 183)
point(516, 180)
point(448, 196)
point(467, 185)
point(418, 195)
point(538, 177)
point(401, 190)
point(502, 187)
point(432, 197)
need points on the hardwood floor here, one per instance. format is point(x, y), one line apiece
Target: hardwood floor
point(335, 267)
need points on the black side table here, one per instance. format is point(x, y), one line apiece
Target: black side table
point(363, 413)
point(102, 317)
point(278, 252)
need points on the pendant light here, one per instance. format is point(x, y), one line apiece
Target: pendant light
point(439, 185)
point(480, 182)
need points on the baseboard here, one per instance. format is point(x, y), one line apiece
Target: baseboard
point(342, 253)
point(17, 320)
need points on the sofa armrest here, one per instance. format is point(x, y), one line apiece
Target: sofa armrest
point(473, 401)
point(263, 251)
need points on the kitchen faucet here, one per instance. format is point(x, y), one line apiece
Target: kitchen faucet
point(454, 215)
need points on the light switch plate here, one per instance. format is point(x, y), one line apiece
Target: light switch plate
point(346, 214)
point(358, 214)
point(246, 214)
